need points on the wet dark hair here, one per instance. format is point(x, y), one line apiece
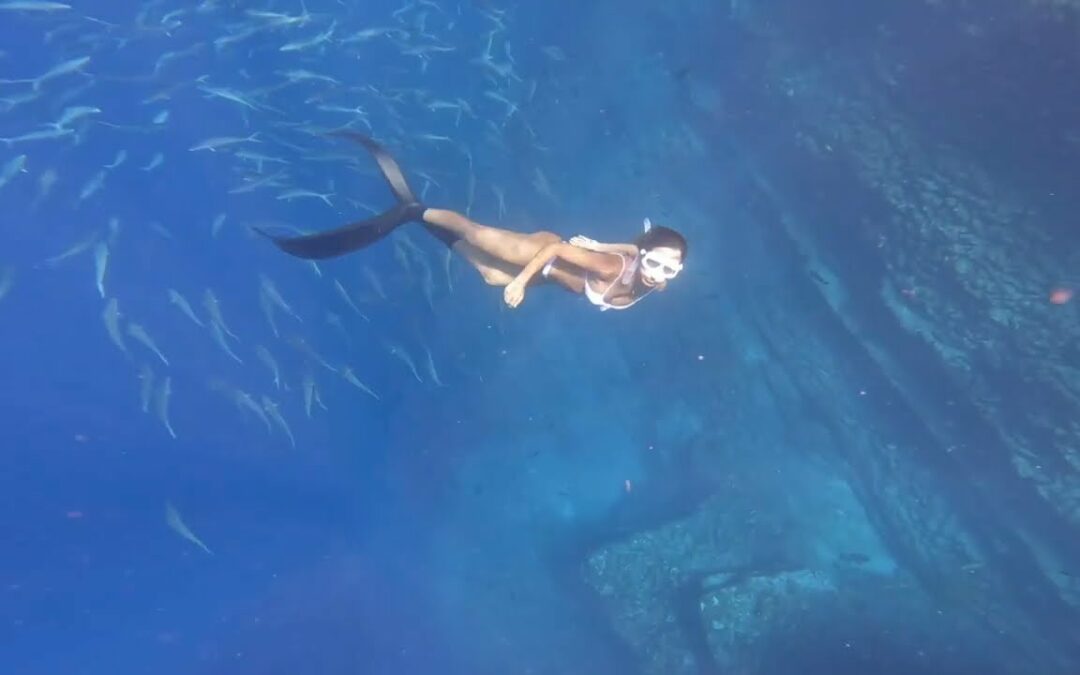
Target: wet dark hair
point(658, 235)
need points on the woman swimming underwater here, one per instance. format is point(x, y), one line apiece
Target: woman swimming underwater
point(612, 276)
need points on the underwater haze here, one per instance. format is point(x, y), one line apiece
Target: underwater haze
point(843, 439)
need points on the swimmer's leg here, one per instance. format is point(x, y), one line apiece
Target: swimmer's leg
point(512, 248)
point(495, 272)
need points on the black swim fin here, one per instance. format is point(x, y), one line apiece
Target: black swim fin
point(363, 233)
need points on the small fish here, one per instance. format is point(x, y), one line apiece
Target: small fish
point(146, 391)
point(319, 39)
point(161, 401)
point(77, 248)
point(215, 144)
point(66, 68)
point(431, 369)
point(32, 6)
point(244, 401)
point(12, 168)
point(272, 411)
point(289, 195)
point(43, 135)
point(308, 385)
point(111, 316)
point(399, 351)
point(227, 95)
point(219, 338)
point(92, 186)
point(215, 227)
point(304, 348)
point(161, 118)
point(176, 523)
point(267, 358)
point(335, 321)
point(269, 289)
point(101, 263)
point(120, 158)
point(348, 300)
point(267, 308)
point(139, 334)
point(351, 378)
point(259, 159)
point(373, 280)
point(157, 160)
point(161, 230)
point(7, 280)
point(213, 310)
point(73, 114)
point(184, 306)
point(46, 181)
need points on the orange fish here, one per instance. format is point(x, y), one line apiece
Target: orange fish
point(1059, 296)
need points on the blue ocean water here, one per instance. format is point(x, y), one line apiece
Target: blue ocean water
point(840, 441)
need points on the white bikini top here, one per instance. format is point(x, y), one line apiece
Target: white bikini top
point(626, 275)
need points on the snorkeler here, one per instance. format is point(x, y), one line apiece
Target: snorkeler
point(612, 276)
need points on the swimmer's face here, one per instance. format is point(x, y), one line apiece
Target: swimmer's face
point(660, 265)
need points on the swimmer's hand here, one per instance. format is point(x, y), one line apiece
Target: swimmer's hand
point(585, 243)
point(514, 293)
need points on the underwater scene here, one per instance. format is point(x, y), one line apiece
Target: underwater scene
point(490, 337)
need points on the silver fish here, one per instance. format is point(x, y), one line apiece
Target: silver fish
point(219, 338)
point(267, 358)
point(308, 385)
point(139, 334)
point(164, 393)
point(213, 310)
point(348, 300)
point(111, 316)
point(101, 263)
point(157, 160)
point(73, 114)
point(12, 168)
point(146, 391)
point(267, 308)
point(399, 351)
point(269, 289)
point(215, 227)
point(215, 144)
point(7, 280)
point(274, 414)
point(75, 249)
point(92, 186)
point(46, 181)
point(184, 306)
point(350, 377)
point(431, 369)
point(43, 135)
point(32, 6)
point(176, 524)
point(120, 158)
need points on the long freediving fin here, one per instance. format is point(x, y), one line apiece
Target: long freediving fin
point(363, 233)
point(345, 239)
point(389, 166)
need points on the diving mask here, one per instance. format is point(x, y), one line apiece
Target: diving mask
point(660, 265)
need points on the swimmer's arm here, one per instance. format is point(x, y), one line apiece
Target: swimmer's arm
point(593, 245)
point(604, 264)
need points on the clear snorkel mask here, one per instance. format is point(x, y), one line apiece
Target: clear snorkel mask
point(660, 267)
